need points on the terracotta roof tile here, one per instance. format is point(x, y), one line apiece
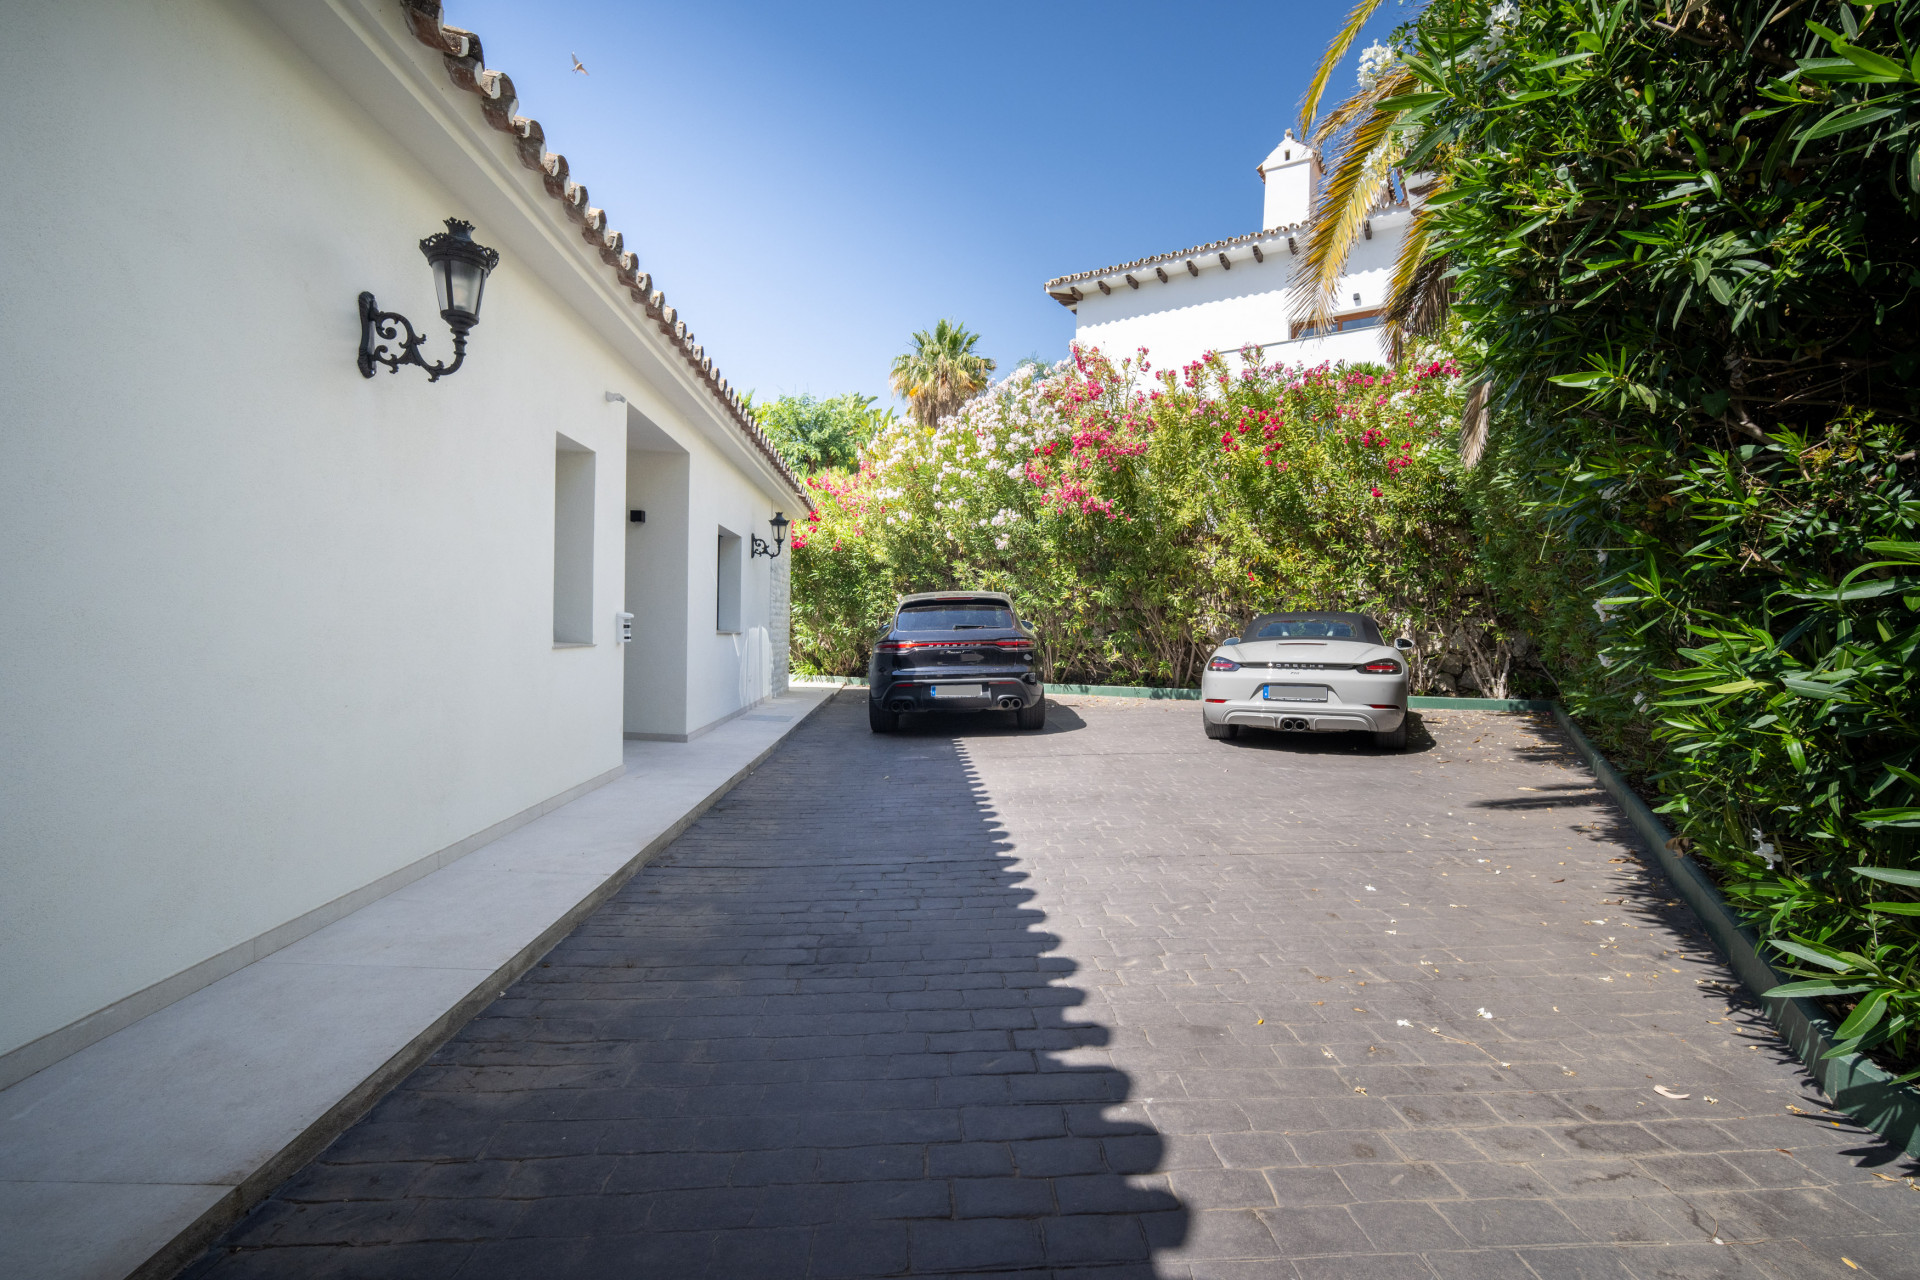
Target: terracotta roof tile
point(460, 51)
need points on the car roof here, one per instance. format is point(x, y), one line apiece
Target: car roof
point(924, 597)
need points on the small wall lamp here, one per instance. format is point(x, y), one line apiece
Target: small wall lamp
point(460, 269)
point(760, 547)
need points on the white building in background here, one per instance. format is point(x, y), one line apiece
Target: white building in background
point(278, 638)
point(1226, 294)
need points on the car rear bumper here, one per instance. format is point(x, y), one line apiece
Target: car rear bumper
point(916, 694)
point(1312, 717)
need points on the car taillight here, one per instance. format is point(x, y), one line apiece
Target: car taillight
point(1382, 667)
point(894, 646)
point(1014, 644)
point(1223, 664)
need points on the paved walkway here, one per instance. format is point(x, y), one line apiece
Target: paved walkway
point(1115, 1000)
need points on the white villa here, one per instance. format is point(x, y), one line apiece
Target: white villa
point(1226, 294)
point(278, 638)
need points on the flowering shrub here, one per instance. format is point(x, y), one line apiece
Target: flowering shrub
point(1137, 518)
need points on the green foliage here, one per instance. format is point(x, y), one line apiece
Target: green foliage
point(816, 435)
point(1685, 243)
point(1138, 521)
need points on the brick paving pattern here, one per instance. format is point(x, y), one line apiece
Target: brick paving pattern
point(1114, 1001)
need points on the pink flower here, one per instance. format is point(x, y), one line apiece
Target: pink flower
point(1376, 492)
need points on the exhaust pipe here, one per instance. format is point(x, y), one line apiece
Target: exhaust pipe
point(1009, 704)
point(1294, 723)
point(900, 704)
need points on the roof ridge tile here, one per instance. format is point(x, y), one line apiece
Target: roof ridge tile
point(461, 53)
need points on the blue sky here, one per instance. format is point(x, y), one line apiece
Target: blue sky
point(810, 183)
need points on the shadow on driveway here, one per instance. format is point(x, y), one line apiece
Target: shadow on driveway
point(821, 1035)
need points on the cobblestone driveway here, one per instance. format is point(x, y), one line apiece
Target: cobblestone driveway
point(1115, 1000)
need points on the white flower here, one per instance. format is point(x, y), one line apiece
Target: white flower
point(1483, 1013)
point(1000, 543)
point(1764, 850)
point(1374, 61)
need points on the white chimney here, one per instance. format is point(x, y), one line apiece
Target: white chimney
point(1292, 175)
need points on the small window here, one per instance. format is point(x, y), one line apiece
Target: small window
point(726, 614)
point(572, 542)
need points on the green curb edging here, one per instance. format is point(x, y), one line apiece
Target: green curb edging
point(1858, 1087)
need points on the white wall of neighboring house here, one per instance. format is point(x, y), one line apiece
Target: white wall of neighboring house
point(1249, 299)
point(273, 633)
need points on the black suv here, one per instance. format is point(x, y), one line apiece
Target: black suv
point(954, 651)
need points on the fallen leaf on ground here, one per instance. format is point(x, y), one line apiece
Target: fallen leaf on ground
point(1401, 1022)
point(1850, 1262)
point(1665, 1092)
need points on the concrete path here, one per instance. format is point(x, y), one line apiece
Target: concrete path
point(1114, 1001)
point(144, 1145)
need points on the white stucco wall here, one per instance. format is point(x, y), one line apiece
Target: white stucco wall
point(1224, 309)
point(271, 631)
point(727, 670)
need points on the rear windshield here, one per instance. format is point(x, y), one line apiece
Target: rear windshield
point(970, 616)
point(1298, 628)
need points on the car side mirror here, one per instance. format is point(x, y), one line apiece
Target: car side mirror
point(1231, 640)
point(1403, 644)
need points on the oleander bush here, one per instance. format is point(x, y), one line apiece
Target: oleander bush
point(1137, 518)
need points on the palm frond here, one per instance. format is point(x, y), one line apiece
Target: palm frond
point(1474, 419)
point(1364, 167)
point(1342, 40)
point(1419, 297)
point(1357, 105)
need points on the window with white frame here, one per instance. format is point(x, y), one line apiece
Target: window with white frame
point(572, 542)
point(726, 613)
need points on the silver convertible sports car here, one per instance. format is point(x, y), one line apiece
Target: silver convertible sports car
point(1309, 673)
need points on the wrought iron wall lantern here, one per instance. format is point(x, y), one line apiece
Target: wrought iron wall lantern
point(460, 269)
point(760, 546)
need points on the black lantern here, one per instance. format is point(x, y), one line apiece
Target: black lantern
point(460, 269)
point(760, 547)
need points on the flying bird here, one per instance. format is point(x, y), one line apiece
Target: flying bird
point(578, 65)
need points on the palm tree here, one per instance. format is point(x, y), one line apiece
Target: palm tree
point(1418, 300)
point(1371, 152)
point(941, 372)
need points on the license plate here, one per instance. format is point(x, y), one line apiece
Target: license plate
point(1296, 693)
point(957, 691)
